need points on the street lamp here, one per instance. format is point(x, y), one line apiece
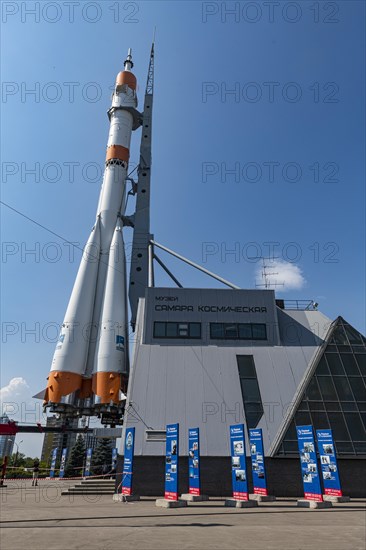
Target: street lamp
point(16, 454)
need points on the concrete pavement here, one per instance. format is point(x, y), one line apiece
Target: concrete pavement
point(40, 518)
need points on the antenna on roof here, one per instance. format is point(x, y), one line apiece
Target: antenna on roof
point(266, 275)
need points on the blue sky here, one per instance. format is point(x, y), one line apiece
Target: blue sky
point(298, 73)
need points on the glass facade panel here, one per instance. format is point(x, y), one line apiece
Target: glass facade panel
point(354, 337)
point(332, 406)
point(349, 406)
point(253, 418)
point(339, 335)
point(252, 400)
point(360, 447)
point(316, 406)
point(319, 420)
point(238, 331)
point(290, 446)
point(342, 447)
point(217, 330)
point(350, 365)
point(259, 331)
point(322, 367)
point(177, 330)
point(327, 388)
point(355, 426)
point(361, 361)
point(332, 348)
point(159, 330)
point(292, 431)
point(246, 366)
point(339, 426)
point(343, 388)
point(302, 418)
point(231, 331)
point(336, 394)
point(250, 390)
point(245, 331)
point(335, 364)
point(195, 330)
point(312, 391)
point(171, 330)
point(358, 388)
point(346, 349)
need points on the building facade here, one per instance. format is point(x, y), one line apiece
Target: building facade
point(210, 358)
point(59, 440)
point(6, 441)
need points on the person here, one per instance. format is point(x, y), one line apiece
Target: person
point(35, 471)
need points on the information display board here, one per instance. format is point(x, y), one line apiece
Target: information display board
point(309, 465)
point(258, 466)
point(194, 461)
point(53, 462)
point(128, 461)
point(114, 460)
point(171, 461)
point(89, 453)
point(63, 462)
point(238, 463)
point(328, 463)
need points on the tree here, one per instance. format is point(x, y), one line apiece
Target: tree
point(102, 455)
point(74, 466)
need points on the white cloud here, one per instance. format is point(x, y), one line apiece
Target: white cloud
point(279, 272)
point(15, 391)
point(17, 403)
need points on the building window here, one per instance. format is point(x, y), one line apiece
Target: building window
point(252, 400)
point(177, 330)
point(238, 331)
point(336, 395)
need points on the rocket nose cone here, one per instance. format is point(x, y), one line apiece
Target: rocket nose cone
point(126, 77)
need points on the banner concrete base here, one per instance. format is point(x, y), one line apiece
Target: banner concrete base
point(262, 498)
point(331, 498)
point(125, 498)
point(164, 503)
point(303, 503)
point(193, 498)
point(240, 503)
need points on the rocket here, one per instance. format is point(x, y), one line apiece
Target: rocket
point(91, 354)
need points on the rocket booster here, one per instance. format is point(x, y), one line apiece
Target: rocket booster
point(91, 353)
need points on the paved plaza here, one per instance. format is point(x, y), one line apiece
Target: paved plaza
point(38, 518)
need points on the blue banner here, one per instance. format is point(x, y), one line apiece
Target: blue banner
point(238, 464)
point(171, 461)
point(128, 461)
point(89, 453)
point(114, 460)
point(309, 465)
point(194, 461)
point(328, 462)
point(53, 462)
point(258, 467)
point(63, 462)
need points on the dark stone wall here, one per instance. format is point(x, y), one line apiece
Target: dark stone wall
point(283, 476)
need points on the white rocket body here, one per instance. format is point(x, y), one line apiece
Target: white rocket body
point(91, 353)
